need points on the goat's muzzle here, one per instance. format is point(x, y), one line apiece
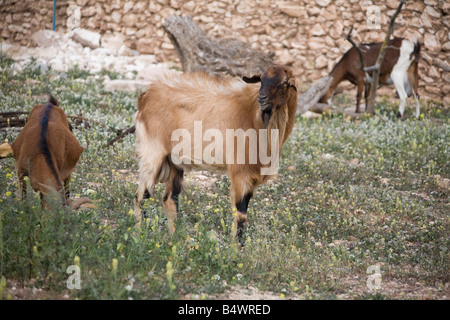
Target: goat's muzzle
point(264, 103)
point(266, 108)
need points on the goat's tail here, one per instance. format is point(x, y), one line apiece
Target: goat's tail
point(52, 100)
point(417, 48)
point(43, 144)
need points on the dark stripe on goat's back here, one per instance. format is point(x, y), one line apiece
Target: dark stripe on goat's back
point(43, 143)
point(340, 61)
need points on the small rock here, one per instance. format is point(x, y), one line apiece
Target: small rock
point(311, 115)
point(87, 38)
point(444, 183)
point(46, 38)
point(323, 3)
point(113, 40)
point(293, 11)
point(446, 46)
point(321, 62)
point(432, 43)
point(125, 51)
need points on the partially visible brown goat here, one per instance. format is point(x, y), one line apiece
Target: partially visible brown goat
point(223, 108)
point(46, 151)
point(399, 67)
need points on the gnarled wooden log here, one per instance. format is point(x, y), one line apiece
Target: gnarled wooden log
point(308, 100)
point(218, 57)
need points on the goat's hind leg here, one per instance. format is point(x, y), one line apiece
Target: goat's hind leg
point(399, 83)
point(172, 190)
point(148, 175)
point(66, 190)
point(358, 97)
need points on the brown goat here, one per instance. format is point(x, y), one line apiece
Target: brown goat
point(46, 151)
point(399, 67)
point(233, 112)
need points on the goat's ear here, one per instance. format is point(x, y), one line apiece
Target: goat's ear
point(254, 79)
point(293, 83)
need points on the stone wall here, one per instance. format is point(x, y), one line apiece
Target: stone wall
point(306, 34)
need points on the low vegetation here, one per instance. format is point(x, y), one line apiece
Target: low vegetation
point(350, 194)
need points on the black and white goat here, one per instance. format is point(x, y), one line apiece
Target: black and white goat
point(399, 67)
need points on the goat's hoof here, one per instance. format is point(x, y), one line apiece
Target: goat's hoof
point(239, 236)
point(399, 115)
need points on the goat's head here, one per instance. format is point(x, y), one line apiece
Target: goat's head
point(276, 83)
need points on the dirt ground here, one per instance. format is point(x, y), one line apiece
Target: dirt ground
point(356, 289)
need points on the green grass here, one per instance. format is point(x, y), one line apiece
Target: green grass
point(321, 223)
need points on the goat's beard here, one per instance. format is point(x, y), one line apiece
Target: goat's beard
point(266, 117)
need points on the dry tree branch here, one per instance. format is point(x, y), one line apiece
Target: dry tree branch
point(12, 120)
point(348, 37)
point(88, 120)
point(370, 108)
point(123, 134)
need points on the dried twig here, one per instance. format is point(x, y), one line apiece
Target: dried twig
point(11, 119)
point(123, 134)
point(370, 108)
point(348, 37)
point(86, 119)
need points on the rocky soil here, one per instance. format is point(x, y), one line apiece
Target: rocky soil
point(87, 51)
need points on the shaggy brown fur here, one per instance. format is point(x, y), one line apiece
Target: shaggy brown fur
point(46, 151)
point(176, 101)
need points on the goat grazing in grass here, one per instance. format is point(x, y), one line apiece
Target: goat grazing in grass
point(179, 106)
point(399, 67)
point(46, 151)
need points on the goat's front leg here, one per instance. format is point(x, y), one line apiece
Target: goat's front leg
point(22, 186)
point(358, 96)
point(66, 198)
point(141, 195)
point(239, 200)
point(367, 87)
point(416, 99)
point(241, 216)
